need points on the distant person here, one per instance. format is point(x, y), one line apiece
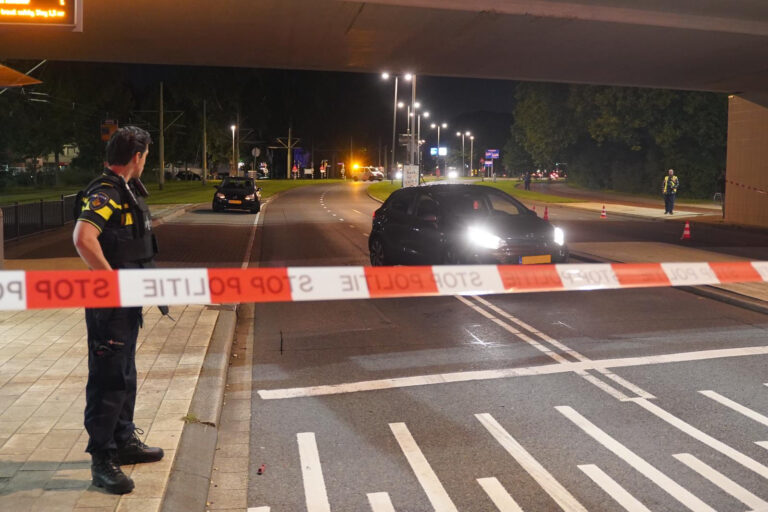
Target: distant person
point(527, 180)
point(114, 231)
point(669, 190)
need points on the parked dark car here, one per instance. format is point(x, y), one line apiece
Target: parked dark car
point(188, 176)
point(461, 224)
point(237, 194)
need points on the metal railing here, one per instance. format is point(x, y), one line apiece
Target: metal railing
point(20, 220)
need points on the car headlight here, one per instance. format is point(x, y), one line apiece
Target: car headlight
point(452, 175)
point(250, 197)
point(559, 236)
point(485, 239)
point(219, 195)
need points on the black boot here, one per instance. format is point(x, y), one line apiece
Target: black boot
point(108, 475)
point(136, 452)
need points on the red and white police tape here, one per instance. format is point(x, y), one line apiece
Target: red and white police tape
point(146, 287)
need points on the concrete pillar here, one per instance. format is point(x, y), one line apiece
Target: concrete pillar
point(746, 189)
point(2, 241)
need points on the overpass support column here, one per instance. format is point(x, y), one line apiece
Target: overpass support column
point(746, 189)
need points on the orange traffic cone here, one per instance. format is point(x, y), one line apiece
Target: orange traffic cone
point(546, 213)
point(602, 214)
point(686, 231)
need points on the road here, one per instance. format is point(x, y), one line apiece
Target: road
point(543, 401)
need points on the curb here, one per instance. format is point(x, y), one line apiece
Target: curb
point(159, 221)
point(190, 476)
point(710, 292)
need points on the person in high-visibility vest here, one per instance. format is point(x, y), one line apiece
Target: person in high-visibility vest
point(669, 190)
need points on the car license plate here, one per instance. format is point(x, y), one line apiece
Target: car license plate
point(235, 201)
point(532, 260)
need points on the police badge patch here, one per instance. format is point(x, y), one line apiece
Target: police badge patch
point(98, 200)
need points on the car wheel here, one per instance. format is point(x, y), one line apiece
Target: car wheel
point(256, 209)
point(378, 255)
point(355, 178)
point(215, 208)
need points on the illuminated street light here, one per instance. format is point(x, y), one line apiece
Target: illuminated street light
point(234, 161)
point(409, 77)
point(463, 160)
point(471, 152)
point(438, 126)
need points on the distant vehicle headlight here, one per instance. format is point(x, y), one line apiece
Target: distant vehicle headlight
point(220, 195)
point(250, 197)
point(399, 175)
point(483, 238)
point(452, 175)
point(559, 236)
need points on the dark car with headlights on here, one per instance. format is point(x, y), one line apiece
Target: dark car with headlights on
point(237, 194)
point(461, 224)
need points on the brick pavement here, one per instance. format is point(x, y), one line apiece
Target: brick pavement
point(43, 371)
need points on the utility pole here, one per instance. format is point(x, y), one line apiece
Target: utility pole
point(351, 156)
point(161, 142)
point(289, 145)
point(413, 132)
point(205, 147)
point(237, 151)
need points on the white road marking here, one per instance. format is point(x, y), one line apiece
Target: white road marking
point(615, 393)
point(341, 220)
point(613, 489)
point(380, 502)
point(722, 481)
point(504, 373)
point(749, 413)
point(543, 477)
point(650, 472)
point(763, 444)
point(312, 474)
point(500, 497)
point(247, 257)
point(710, 441)
point(258, 509)
point(427, 478)
point(574, 354)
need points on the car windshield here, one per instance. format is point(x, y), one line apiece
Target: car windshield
point(482, 203)
point(229, 183)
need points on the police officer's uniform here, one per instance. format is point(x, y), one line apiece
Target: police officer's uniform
point(117, 209)
point(669, 189)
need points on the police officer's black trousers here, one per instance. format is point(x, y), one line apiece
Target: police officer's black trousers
point(110, 394)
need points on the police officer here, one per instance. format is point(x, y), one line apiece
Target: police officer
point(114, 231)
point(669, 190)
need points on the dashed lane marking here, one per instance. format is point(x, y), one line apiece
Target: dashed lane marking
point(499, 495)
point(505, 373)
point(613, 489)
point(380, 502)
point(312, 474)
point(543, 477)
point(672, 488)
point(749, 413)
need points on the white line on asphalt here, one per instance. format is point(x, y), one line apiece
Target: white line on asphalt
point(543, 477)
point(708, 440)
point(258, 509)
point(615, 393)
point(500, 497)
point(504, 373)
point(247, 257)
point(341, 220)
point(749, 413)
point(427, 478)
point(763, 444)
point(380, 502)
point(361, 213)
point(722, 481)
point(573, 353)
point(613, 489)
point(667, 484)
point(312, 474)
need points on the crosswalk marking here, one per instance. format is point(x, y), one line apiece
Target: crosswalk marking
point(380, 502)
point(427, 478)
point(667, 484)
point(258, 509)
point(749, 413)
point(613, 489)
point(312, 474)
point(710, 441)
point(722, 481)
point(543, 477)
point(500, 497)
point(764, 444)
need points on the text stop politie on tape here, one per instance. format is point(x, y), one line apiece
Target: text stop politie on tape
point(56, 289)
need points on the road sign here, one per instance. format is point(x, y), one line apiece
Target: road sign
point(491, 154)
point(410, 176)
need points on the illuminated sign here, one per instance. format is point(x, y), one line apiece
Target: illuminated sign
point(56, 13)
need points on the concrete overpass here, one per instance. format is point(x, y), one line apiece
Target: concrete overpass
point(712, 45)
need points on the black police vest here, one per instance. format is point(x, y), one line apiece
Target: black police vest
point(126, 244)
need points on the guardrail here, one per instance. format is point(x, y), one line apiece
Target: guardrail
point(24, 219)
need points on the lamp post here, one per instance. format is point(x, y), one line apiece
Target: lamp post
point(234, 161)
point(418, 140)
point(438, 126)
point(463, 158)
point(471, 151)
point(408, 77)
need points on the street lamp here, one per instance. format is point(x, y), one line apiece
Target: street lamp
point(234, 162)
point(418, 139)
point(438, 126)
point(408, 77)
point(463, 159)
point(471, 151)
